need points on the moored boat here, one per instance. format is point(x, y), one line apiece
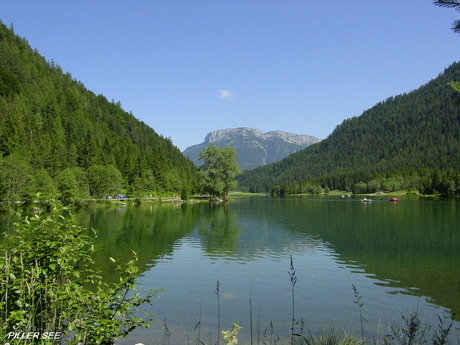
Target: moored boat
point(393, 199)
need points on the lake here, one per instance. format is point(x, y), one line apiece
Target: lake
point(401, 257)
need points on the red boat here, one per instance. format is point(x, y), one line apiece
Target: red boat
point(393, 199)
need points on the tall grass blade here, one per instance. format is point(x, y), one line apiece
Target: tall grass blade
point(360, 305)
point(250, 318)
point(258, 327)
point(440, 336)
point(293, 276)
point(198, 325)
point(166, 332)
point(218, 310)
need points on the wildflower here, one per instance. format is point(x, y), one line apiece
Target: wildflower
point(230, 336)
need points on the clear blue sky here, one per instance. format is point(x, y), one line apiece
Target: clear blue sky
point(189, 67)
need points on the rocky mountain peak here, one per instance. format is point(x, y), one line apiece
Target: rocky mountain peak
point(253, 147)
point(221, 134)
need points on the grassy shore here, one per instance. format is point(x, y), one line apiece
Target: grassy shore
point(398, 193)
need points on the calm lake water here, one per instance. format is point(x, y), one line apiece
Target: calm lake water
point(402, 257)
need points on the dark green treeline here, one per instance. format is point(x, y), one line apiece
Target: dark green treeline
point(60, 139)
point(411, 141)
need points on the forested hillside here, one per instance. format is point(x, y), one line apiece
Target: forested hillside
point(411, 141)
point(60, 139)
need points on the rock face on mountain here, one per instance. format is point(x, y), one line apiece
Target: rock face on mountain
point(253, 147)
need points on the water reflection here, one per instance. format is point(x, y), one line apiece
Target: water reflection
point(408, 249)
point(219, 231)
point(413, 246)
point(149, 230)
point(400, 256)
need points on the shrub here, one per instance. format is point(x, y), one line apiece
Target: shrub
point(48, 284)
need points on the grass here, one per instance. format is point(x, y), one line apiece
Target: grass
point(360, 304)
point(329, 337)
point(402, 192)
point(246, 194)
point(293, 276)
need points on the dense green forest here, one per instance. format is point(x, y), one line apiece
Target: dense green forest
point(411, 141)
point(62, 140)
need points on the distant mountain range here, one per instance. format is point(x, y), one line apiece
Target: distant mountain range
point(253, 147)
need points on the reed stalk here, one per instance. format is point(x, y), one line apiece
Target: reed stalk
point(360, 305)
point(258, 327)
point(293, 276)
point(166, 332)
point(198, 325)
point(218, 310)
point(250, 319)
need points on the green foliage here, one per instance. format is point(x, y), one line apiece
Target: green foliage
point(185, 193)
point(220, 169)
point(16, 179)
point(73, 185)
point(329, 337)
point(46, 184)
point(360, 188)
point(68, 186)
point(47, 284)
point(54, 123)
point(456, 87)
point(413, 332)
point(411, 139)
point(9, 84)
point(104, 180)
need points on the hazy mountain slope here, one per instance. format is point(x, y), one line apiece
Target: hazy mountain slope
point(253, 147)
point(409, 134)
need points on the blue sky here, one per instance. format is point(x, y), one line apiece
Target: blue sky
point(189, 67)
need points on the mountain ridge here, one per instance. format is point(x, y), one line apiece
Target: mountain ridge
point(219, 134)
point(253, 147)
